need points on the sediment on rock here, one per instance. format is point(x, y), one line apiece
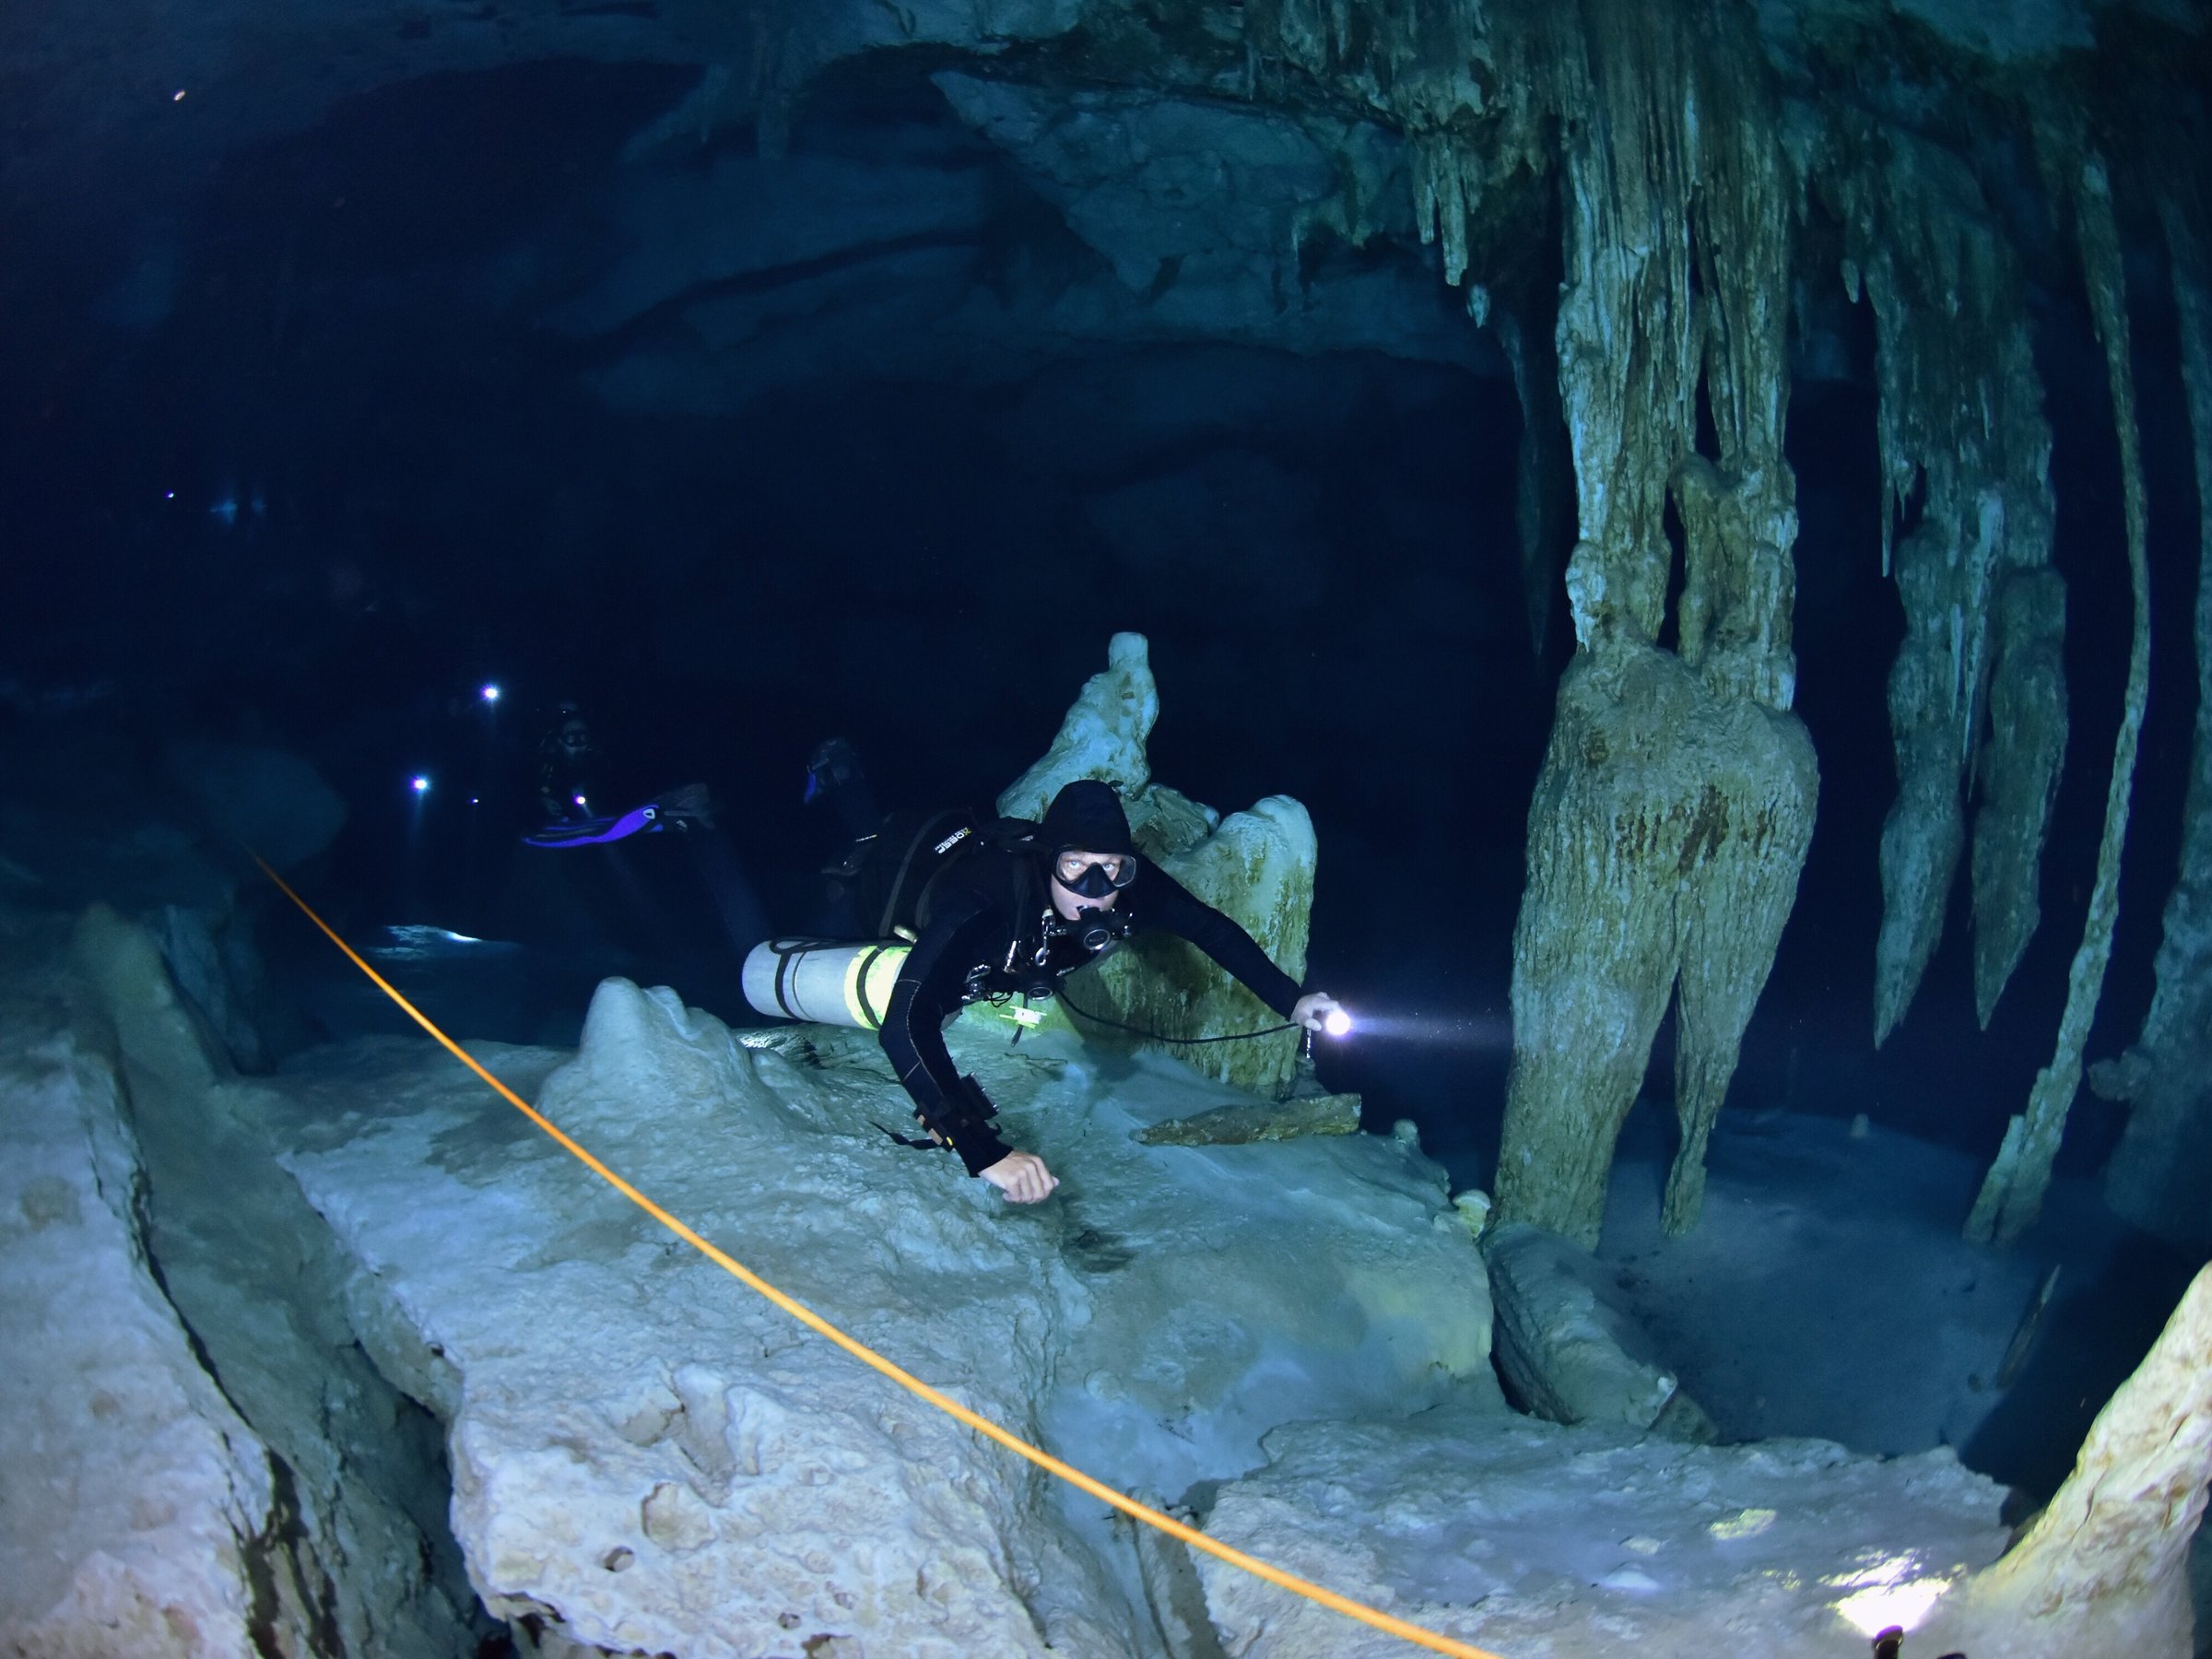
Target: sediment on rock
point(1239, 1125)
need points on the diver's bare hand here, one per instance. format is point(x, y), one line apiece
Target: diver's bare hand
point(1314, 1008)
point(1022, 1177)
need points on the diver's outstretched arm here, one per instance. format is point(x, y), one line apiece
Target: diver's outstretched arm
point(927, 993)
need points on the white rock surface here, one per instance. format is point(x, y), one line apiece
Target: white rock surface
point(1290, 1341)
point(133, 1495)
point(1547, 1543)
point(648, 1458)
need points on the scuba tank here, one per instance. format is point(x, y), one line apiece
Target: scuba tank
point(824, 982)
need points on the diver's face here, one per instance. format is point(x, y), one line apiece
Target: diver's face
point(1070, 868)
point(575, 737)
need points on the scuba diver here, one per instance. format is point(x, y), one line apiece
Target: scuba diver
point(1009, 907)
point(833, 775)
point(567, 765)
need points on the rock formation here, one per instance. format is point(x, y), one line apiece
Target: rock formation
point(2012, 1194)
point(219, 1469)
point(1256, 867)
point(1567, 1348)
point(645, 1456)
point(1666, 838)
point(1294, 1337)
point(1978, 690)
point(2160, 1177)
point(2104, 1568)
point(1675, 803)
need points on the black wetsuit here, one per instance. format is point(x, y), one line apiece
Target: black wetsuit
point(988, 918)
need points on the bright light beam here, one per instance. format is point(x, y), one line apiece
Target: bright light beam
point(1480, 1032)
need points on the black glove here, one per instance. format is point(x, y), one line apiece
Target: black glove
point(968, 1127)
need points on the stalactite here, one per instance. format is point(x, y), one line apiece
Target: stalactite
point(1539, 468)
point(1427, 62)
point(2160, 1177)
point(1674, 807)
point(2023, 744)
point(1621, 75)
point(2012, 1194)
point(1961, 416)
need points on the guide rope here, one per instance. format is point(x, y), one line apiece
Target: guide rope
point(1372, 1617)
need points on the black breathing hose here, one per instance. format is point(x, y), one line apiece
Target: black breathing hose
point(1075, 1007)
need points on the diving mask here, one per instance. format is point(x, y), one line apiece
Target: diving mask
point(1094, 880)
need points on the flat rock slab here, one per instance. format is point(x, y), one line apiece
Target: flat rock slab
point(1240, 1125)
point(648, 1457)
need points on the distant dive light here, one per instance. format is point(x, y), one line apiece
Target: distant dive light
point(490, 693)
point(582, 802)
point(420, 784)
point(1338, 1023)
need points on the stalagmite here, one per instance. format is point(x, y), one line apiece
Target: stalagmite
point(1257, 867)
point(1666, 838)
point(1961, 412)
point(1674, 807)
point(2160, 1178)
point(2104, 1570)
point(2012, 1194)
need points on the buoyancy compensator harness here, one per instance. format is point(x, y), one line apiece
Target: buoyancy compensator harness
point(1042, 951)
point(896, 875)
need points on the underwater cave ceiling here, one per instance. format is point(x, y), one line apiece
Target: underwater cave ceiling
point(1654, 221)
point(1241, 177)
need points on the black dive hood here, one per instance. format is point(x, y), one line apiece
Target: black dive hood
point(1087, 816)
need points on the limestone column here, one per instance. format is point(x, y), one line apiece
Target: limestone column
point(2160, 1178)
point(1676, 804)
